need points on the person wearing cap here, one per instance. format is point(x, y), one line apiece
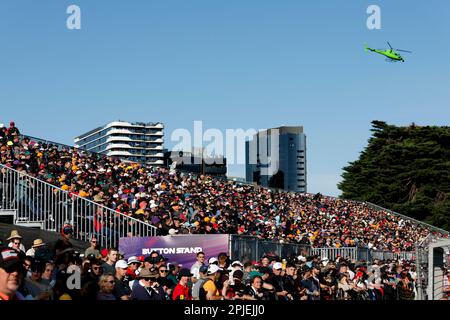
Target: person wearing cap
point(160, 261)
point(15, 241)
point(63, 248)
point(93, 248)
point(149, 262)
point(174, 269)
point(144, 287)
point(237, 265)
point(209, 291)
point(133, 268)
point(11, 274)
point(312, 283)
point(277, 281)
point(181, 290)
point(213, 260)
point(234, 288)
point(121, 288)
point(196, 266)
point(196, 286)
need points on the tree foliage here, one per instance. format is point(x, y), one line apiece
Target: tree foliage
point(405, 169)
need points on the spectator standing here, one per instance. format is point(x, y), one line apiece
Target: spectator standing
point(209, 291)
point(63, 248)
point(196, 286)
point(12, 131)
point(181, 290)
point(93, 249)
point(143, 286)
point(110, 264)
point(196, 266)
point(312, 283)
point(121, 287)
point(174, 269)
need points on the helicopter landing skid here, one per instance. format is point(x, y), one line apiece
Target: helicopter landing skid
point(391, 61)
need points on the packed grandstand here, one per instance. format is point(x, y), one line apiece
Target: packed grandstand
point(184, 203)
point(201, 204)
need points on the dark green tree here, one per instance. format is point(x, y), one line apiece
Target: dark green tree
point(405, 169)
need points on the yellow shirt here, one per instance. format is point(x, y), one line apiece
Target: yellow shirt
point(210, 286)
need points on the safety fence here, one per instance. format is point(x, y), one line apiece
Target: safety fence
point(36, 201)
point(248, 248)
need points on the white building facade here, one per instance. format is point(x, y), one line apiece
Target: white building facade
point(137, 142)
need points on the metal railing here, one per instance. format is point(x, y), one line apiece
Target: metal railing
point(249, 248)
point(38, 201)
point(424, 224)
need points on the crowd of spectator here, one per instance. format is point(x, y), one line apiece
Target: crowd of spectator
point(177, 202)
point(57, 272)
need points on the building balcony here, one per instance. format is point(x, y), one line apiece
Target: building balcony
point(118, 138)
point(119, 153)
point(120, 131)
point(118, 146)
point(156, 148)
point(157, 133)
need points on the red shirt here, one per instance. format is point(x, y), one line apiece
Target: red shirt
point(181, 292)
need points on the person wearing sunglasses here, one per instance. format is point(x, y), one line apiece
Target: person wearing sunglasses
point(164, 281)
point(11, 274)
point(122, 290)
point(106, 285)
point(94, 273)
point(146, 287)
point(63, 249)
point(92, 250)
point(15, 241)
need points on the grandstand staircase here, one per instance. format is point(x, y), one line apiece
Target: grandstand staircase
point(10, 217)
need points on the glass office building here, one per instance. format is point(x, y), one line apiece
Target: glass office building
point(276, 158)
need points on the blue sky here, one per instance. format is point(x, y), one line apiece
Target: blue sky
point(232, 64)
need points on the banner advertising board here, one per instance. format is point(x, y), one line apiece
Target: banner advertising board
point(182, 249)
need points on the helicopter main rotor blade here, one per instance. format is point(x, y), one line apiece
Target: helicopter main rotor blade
point(404, 50)
point(389, 44)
